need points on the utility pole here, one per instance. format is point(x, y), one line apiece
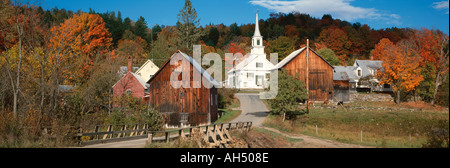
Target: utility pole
point(307, 76)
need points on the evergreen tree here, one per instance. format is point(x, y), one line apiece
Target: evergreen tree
point(235, 31)
point(140, 28)
point(214, 35)
point(187, 24)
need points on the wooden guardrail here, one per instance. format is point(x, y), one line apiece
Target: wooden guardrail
point(88, 135)
point(213, 135)
point(209, 136)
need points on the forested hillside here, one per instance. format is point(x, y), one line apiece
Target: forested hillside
point(44, 52)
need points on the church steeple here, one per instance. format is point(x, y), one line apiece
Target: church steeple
point(257, 33)
point(257, 40)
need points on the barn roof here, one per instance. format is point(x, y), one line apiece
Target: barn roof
point(294, 54)
point(194, 64)
point(340, 73)
point(349, 71)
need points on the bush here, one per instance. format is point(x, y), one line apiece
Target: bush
point(133, 111)
point(438, 136)
point(226, 97)
point(291, 92)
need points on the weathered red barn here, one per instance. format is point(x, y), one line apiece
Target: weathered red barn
point(320, 72)
point(131, 84)
point(184, 105)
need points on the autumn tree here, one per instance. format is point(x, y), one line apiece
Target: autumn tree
point(164, 46)
point(20, 32)
point(382, 49)
point(337, 40)
point(433, 48)
point(131, 45)
point(76, 42)
point(401, 68)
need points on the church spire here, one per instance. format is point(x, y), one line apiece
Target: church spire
point(257, 40)
point(257, 33)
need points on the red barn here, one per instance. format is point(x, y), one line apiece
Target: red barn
point(184, 105)
point(131, 84)
point(320, 72)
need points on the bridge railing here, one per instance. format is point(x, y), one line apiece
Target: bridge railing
point(212, 135)
point(88, 135)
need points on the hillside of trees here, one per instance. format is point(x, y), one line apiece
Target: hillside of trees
point(43, 50)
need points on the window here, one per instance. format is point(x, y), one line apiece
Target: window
point(250, 76)
point(184, 117)
point(359, 72)
point(258, 42)
point(267, 76)
point(259, 80)
point(259, 65)
point(217, 100)
point(129, 92)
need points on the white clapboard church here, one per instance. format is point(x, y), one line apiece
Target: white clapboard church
point(254, 71)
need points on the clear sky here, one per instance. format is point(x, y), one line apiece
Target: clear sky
point(432, 14)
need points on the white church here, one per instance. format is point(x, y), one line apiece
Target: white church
point(254, 71)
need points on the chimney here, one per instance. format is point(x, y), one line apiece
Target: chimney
point(130, 64)
point(345, 64)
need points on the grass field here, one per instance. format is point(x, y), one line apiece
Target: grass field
point(228, 114)
point(383, 124)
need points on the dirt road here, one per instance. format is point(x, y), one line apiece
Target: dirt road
point(253, 109)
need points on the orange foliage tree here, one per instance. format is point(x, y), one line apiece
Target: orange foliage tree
point(382, 49)
point(433, 48)
point(401, 67)
point(337, 40)
point(76, 42)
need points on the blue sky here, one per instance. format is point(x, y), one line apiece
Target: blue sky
point(378, 14)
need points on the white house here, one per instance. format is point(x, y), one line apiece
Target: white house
point(367, 70)
point(147, 70)
point(254, 71)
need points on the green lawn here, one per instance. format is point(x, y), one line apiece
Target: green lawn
point(383, 124)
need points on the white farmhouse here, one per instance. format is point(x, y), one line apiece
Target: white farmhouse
point(147, 70)
point(254, 71)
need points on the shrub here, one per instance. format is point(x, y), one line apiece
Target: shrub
point(291, 92)
point(226, 97)
point(438, 136)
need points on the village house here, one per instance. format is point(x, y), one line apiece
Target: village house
point(254, 71)
point(320, 72)
point(147, 70)
point(194, 105)
point(131, 84)
point(363, 76)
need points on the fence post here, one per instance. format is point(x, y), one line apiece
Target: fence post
point(361, 136)
point(317, 133)
point(167, 137)
point(150, 138)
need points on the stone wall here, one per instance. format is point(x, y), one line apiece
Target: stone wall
point(372, 97)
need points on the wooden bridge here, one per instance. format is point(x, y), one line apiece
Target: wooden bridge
point(209, 136)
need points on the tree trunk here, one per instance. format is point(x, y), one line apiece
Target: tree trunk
point(437, 84)
point(398, 97)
